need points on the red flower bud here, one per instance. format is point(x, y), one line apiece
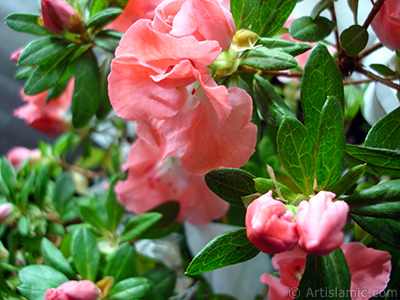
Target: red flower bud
point(386, 24)
point(59, 15)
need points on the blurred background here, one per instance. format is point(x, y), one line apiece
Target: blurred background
point(13, 131)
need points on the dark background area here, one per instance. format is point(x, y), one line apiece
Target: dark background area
point(13, 131)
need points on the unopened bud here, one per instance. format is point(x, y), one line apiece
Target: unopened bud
point(5, 211)
point(244, 39)
point(59, 15)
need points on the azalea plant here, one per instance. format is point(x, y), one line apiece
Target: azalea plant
point(174, 116)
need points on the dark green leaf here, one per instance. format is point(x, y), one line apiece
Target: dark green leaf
point(379, 161)
point(37, 279)
point(386, 132)
point(138, 225)
point(85, 100)
point(7, 179)
point(331, 143)
point(131, 288)
point(104, 17)
point(353, 40)
point(263, 185)
point(24, 73)
point(269, 60)
point(90, 215)
point(104, 102)
point(353, 4)
point(41, 184)
point(26, 23)
point(321, 79)
point(121, 264)
point(383, 70)
point(231, 184)
point(63, 191)
point(164, 283)
point(53, 257)
point(292, 48)
point(328, 273)
point(26, 190)
point(308, 29)
point(57, 91)
point(114, 210)
point(320, 7)
point(41, 51)
point(272, 107)
point(295, 151)
point(230, 248)
point(348, 180)
point(85, 253)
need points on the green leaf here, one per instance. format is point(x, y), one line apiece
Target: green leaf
point(138, 225)
point(353, 40)
point(121, 264)
point(26, 23)
point(24, 73)
point(308, 29)
point(263, 185)
point(164, 283)
point(386, 132)
point(331, 143)
point(104, 17)
point(64, 189)
point(353, 4)
point(37, 279)
point(349, 179)
point(85, 100)
point(230, 248)
point(26, 190)
point(114, 210)
point(320, 7)
point(289, 47)
point(263, 17)
point(131, 288)
point(104, 101)
point(7, 179)
point(106, 41)
point(383, 70)
point(57, 90)
point(379, 161)
point(269, 60)
point(85, 253)
point(41, 51)
point(53, 257)
point(272, 107)
point(325, 273)
point(98, 6)
point(90, 215)
point(231, 184)
point(295, 151)
point(321, 79)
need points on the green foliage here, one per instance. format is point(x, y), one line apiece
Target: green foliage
point(269, 60)
point(131, 288)
point(164, 280)
point(27, 23)
point(121, 264)
point(137, 225)
point(104, 17)
point(354, 39)
point(308, 29)
point(289, 47)
point(54, 257)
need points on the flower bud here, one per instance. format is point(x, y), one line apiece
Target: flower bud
point(59, 15)
point(386, 24)
point(244, 39)
point(74, 290)
point(270, 226)
point(320, 222)
point(5, 211)
point(15, 54)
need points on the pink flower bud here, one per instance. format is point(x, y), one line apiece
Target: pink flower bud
point(270, 225)
point(320, 222)
point(15, 54)
point(386, 24)
point(17, 155)
point(59, 15)
point(74, 290)
point(5, 211)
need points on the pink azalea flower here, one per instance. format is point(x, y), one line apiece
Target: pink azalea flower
point(369, 270)
point(18, 155)
point(48, 118)
point(270, 226)
point(320, 222)
point(5, 210)
point(134, 10)
point(386, 24)
point(74, 290)
point(152, 181)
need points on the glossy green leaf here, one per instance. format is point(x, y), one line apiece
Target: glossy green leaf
point(27, 23)
point(98, 6)
point(308, 29)
point(131, 288)
point(85, 253)
point(325, 274)
point(63, 191)
point(349, 179)
point(164, 283)
point(295, 151)
point(56, 91)
point(104, 101)
point(7, 179)
point(24, 73)
point(331, 143)
point(231, 184)
point(271, 106)
point(41, 51)
point(230, 248)
point(37, 279)
point(320, 7)
point(386, 132)
point(289, 47)
point(379, 161)
point(114, 210)
point(263, 17)
point(353, 40)
point(52, 256)
point(85, 100)
point(321, 79)
point(104, 17)
point(41, 184)
point(121, 264)
point(26, 190)
point(107, 41)
point(90, 215)
point(263, 185)
point(383, 70)
point(138, 225)
point(269, 60)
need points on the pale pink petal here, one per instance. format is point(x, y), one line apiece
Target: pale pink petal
point(291, 265)
point(277, 290)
